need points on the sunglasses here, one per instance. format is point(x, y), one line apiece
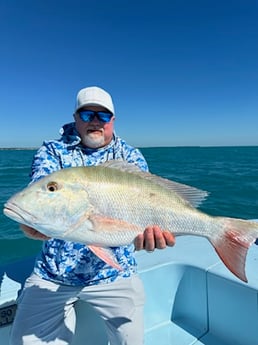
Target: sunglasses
point(88, 115)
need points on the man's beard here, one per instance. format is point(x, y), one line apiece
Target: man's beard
point(93, 141)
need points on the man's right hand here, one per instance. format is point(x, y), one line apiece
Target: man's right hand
point(32, 233)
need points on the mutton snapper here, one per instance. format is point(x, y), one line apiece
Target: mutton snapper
point(109, 205)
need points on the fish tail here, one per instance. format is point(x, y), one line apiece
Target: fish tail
point(233, 243)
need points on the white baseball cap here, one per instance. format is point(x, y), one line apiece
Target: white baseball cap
point(94, 96)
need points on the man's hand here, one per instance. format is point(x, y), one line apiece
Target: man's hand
point(32, 233)
point(153, 237)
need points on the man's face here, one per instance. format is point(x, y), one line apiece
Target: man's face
point(94, 134)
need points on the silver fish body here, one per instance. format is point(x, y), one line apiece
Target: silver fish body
point(110, 205)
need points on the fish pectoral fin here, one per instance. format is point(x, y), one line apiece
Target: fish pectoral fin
point(106, 224)
point(106, 255)
point(232, 247)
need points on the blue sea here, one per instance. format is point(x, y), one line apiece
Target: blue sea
point(229, 174)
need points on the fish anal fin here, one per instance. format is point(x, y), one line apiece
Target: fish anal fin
point(106, 255)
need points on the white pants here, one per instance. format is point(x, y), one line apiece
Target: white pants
point(46, 315)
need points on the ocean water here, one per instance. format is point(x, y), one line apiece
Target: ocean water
point(229, 174)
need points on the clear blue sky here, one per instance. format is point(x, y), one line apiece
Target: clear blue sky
point(181, 72)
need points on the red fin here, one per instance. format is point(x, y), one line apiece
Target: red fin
point(106, 255)
point(232, 247)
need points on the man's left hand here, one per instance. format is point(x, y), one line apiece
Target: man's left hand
point(154, 238)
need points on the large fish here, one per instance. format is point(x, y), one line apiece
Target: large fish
point(109, 205)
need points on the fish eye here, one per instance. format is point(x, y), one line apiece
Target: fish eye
point(52, 186)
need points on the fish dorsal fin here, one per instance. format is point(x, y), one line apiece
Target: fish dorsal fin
point(193, 195)
point(122, 165)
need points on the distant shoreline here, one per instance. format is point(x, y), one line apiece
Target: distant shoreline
point(140, 147)
point(18, 148)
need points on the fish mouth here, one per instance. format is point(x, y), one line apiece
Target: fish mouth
point(19, 215)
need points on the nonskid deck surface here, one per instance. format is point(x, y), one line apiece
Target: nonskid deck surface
point(191, 298)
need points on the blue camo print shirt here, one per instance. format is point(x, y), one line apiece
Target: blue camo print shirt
point(67, 262)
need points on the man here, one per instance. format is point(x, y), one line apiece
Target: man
point(66, 271)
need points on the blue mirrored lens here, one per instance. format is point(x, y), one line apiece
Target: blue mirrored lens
point(88, 115)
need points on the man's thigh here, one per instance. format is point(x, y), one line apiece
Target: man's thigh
point(121, 305)
point(45, 314)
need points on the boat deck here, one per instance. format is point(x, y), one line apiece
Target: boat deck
point(196, 300)
point(191, 298)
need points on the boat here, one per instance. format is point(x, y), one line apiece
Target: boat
point(191, 298)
